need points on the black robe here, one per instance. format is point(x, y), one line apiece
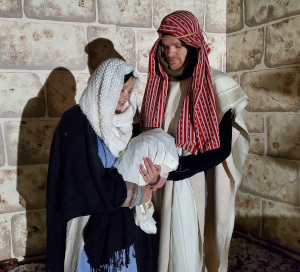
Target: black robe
point(79, 185)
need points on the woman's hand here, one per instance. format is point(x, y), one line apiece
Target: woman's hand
point(152, 171)
point(147, 194)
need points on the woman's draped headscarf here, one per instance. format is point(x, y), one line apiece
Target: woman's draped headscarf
point(100, 99)
point(198, 125)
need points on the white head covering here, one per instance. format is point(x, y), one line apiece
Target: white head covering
point(160, 147)
point(155, 144)
point(100, 99)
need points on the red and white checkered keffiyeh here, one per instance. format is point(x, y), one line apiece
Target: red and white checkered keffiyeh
point(198, 125)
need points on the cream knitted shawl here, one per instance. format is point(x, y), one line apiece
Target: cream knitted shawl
point(99, 101)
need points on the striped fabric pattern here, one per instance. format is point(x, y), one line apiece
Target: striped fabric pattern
point(198, 125)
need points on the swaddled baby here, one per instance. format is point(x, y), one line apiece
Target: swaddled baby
point(160, 147)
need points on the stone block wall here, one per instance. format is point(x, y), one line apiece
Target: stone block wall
point(47, 51)
point(263, 55)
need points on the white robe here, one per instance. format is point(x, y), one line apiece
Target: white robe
point(188, 218)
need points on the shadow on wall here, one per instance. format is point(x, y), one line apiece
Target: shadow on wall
point(35, 136)
point(100, 50)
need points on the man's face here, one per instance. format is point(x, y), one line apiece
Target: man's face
point(175, 51)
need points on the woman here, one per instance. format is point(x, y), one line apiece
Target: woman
point(85, 194)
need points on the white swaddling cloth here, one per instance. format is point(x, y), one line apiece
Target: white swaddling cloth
point(160, 147)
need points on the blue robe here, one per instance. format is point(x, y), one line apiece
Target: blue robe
point(83, 266)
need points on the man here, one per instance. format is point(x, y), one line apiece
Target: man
point(201, 108)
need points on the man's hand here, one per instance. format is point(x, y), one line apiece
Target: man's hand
point(160, 184)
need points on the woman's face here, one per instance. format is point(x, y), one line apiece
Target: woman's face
point(125, 94)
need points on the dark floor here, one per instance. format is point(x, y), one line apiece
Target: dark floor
point(245, 255)
point(248, 256)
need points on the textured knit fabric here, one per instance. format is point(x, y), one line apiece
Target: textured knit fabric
point(198, 124)
point(99, 101)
